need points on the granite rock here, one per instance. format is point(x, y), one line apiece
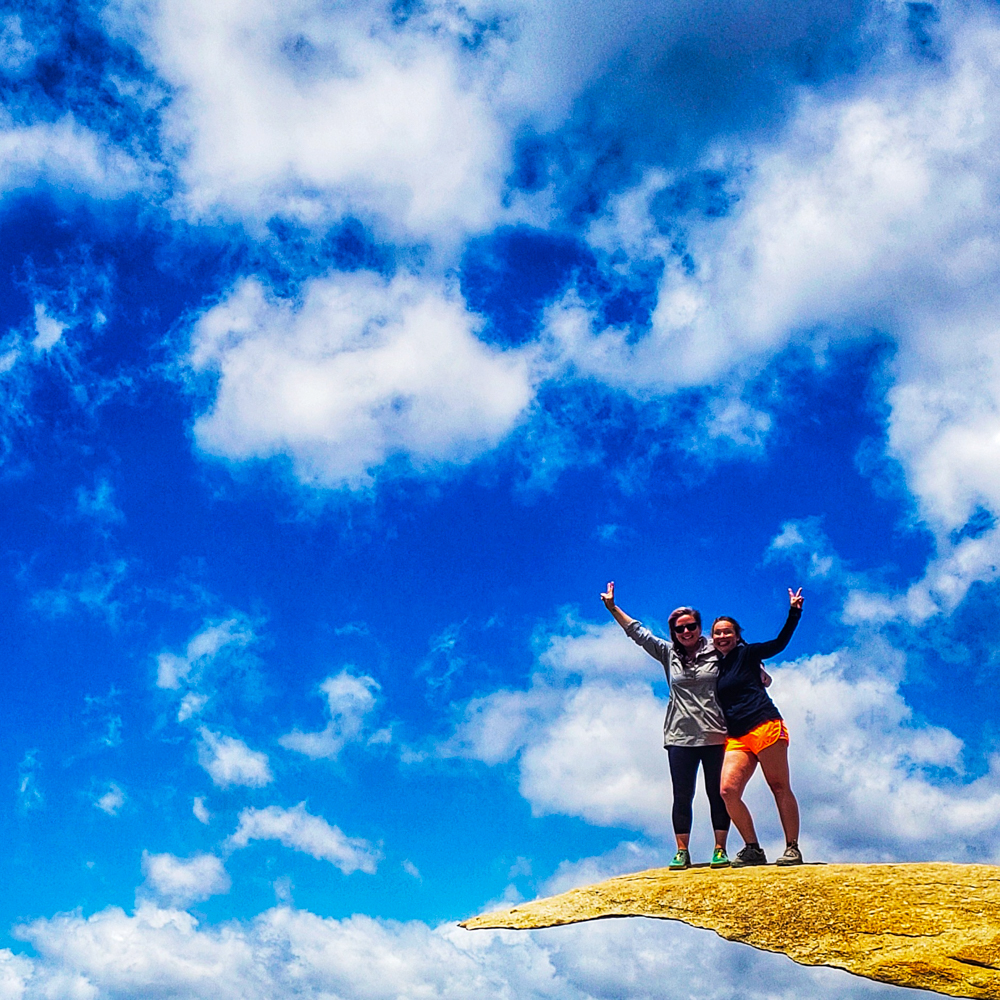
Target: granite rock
point(926, 926)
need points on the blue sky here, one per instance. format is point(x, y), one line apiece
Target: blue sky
point(347, 350)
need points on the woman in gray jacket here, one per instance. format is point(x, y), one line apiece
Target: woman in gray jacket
point(694, 731)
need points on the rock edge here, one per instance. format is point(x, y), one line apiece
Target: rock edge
point(925, 926)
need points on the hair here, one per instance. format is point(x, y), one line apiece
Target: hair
point(732, 621)
point(672, 620)
point(682, 612)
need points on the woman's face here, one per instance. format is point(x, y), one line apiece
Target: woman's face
point(724, 636)
point(687, 631)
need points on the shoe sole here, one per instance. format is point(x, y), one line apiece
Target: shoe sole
point(727, 864)
point(789, 864)
point(748, 864)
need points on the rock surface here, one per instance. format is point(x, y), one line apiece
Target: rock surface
point(926, 926)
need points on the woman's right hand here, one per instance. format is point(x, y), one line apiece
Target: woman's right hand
point(609, 596)
point(795, 598)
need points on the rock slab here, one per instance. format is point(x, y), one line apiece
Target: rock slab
point(926, 926)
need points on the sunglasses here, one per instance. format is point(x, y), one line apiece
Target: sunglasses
point(687, 627)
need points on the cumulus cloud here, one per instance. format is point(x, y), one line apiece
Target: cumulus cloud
point(284, 953)
point(180, 881)
point(111, 800)
point(863, 198)
point(16, 52)
point(587, 749)
point(301, 831)
point(591, 650)
point(308, 111)
point(349, 699)
point(361, 371)
point(874, 209)
point(873, 782)
point(215, 656)
point(215, 636)
point(585, 732)
point(410, 116)
point(229, 761)
point(804, 543)
point(66, 154)
point(48, 329)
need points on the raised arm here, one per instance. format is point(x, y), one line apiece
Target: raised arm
point(658, 648)
point(616, 612)
point(776, 645)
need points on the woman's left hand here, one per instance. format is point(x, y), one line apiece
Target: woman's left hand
point(795, 598)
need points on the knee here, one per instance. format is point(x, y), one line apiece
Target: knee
point(730, 792)
point(779, 786)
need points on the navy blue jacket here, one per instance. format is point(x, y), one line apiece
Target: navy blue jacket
point(741, 693)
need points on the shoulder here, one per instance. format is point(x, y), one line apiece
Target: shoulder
point(706, 651)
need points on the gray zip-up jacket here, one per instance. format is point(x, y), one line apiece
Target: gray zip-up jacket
point(694, 718)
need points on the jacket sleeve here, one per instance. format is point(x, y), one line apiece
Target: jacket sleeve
point(658, 648)
point(765, 650)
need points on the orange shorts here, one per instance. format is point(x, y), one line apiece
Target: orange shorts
point(760, 738)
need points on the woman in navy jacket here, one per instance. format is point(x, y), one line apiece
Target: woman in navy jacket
point(757, 733)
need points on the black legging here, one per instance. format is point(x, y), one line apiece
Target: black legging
point(683, 771)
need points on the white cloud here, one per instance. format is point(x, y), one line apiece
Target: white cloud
point(191, 705)
point(111, 801)
point(229, 761)
point(215, 636)
point(874, 783)
point(301, 831)
point(15, 972)
point(587, 732)
point(350, 699)
point(592, 750)
point(495, 728)
point(313, 111)
point(287, 953)
point(805, 545)
point(48, 329)
point(29, 795)
point(303, 110)
point(361, 371)
point(200, 810)
point(98, 590)
point(16, 52)
point(66, 154)
point(180, 882)
point(873, 210)
point(593, 650)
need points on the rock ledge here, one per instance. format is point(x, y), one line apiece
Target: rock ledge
point(925, 926)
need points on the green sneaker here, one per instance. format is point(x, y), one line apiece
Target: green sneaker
point(682, 860)
point(719, 858)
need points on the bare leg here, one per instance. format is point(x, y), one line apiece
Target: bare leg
point(720, 839)
point(683, 839)
point(774, 764)
point(737, 770)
